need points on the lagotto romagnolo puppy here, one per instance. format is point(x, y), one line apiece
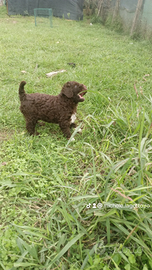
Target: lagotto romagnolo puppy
point(60, 109)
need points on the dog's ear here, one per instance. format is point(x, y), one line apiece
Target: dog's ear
point(67, 90)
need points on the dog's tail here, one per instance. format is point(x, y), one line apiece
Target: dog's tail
point(22, 93)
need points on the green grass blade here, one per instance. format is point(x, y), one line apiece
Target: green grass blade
point(65, 249)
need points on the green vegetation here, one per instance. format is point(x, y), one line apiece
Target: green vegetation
point(49, 188)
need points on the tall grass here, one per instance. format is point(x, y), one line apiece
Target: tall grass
point(83, 204)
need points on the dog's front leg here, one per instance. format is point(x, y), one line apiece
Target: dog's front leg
point(73, 125)
point(66, 130)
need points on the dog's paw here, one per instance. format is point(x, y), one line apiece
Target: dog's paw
point(36, 134)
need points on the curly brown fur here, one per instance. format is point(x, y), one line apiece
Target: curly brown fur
point(52, 109)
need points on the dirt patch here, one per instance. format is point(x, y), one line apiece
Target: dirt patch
point(5, 135)
point(11, 20)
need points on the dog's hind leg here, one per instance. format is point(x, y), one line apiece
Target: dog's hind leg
point(30, 126)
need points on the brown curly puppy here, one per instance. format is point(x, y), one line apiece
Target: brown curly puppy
point(60, 109)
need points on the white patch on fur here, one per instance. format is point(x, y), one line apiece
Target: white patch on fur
point(73, 118)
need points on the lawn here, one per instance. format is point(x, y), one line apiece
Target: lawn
point(85, 204)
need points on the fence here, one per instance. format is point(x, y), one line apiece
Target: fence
point(135, 14)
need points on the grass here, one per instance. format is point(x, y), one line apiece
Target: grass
point(87, 204)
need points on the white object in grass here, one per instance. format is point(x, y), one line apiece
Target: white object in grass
point(79, 130)
point(50, 74)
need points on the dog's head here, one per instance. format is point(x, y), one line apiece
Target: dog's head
point(74, 91)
